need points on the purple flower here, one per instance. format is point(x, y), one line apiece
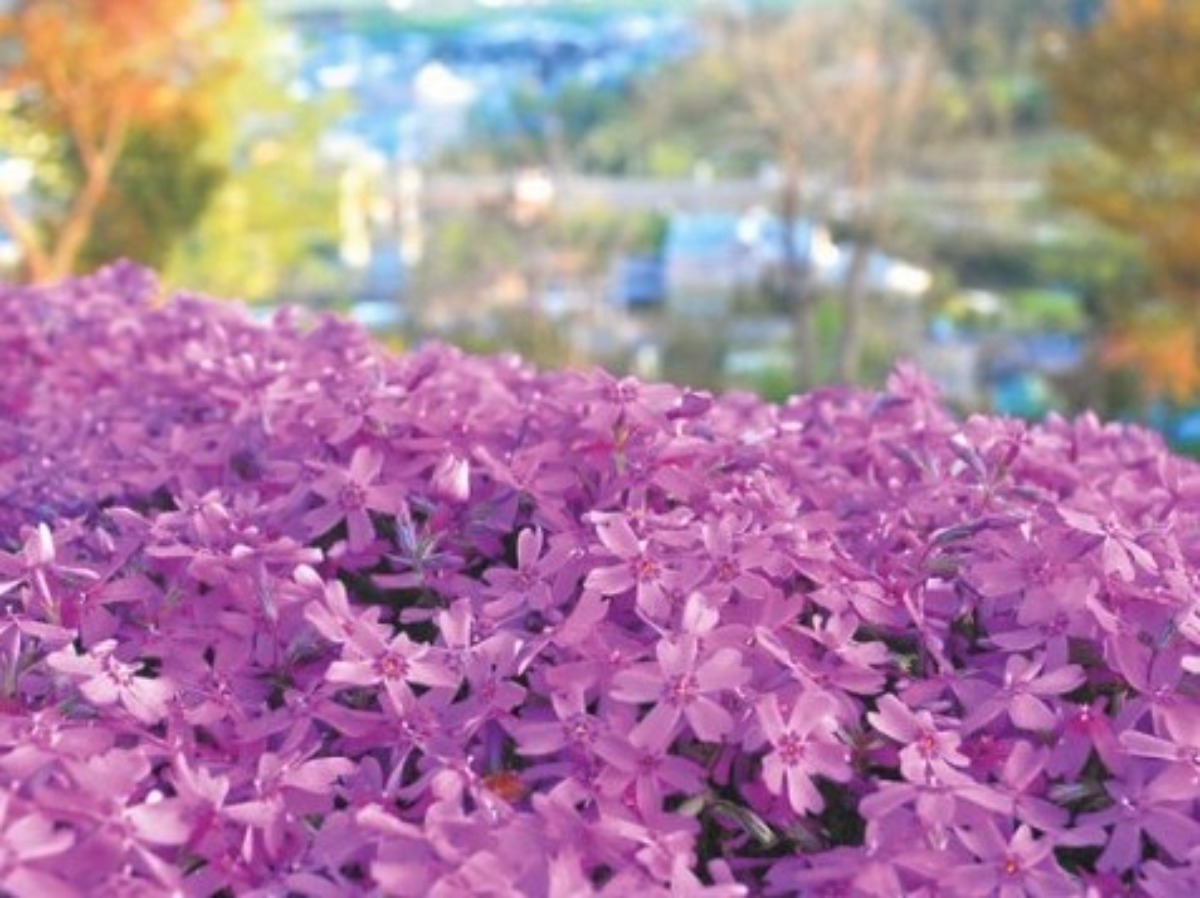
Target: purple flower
point(104, 680)
point(1021, 696)
point(34, 567)
point(452, 479)
point(1142, 809)
point(733, 567)
point(929, 754)
point(640, 565)
point(28, 848)
point(683, 683)
point(1177, 744)
point(1009, 867)
point(1155, 675)
point(804, 745)
point(641, 774)
point(1086, 728)
point(282, 612)
point(369, 659)
point(349, 494)
point(1119, 550)
point(533, 586)
point(572, 726)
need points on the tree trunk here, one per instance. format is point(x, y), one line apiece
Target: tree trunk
point(45, 264)
point(854, 296)
point(795, 287)
point(80, 221)
point(35, 262)
point(804, 322)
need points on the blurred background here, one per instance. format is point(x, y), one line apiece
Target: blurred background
point(728, 193)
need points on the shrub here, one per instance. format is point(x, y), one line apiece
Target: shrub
point(286, 615)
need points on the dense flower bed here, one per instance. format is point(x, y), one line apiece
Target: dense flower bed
point(284, 615)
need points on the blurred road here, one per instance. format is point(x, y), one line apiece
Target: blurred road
point(944, 202)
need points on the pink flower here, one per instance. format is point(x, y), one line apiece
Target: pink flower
point(104, 680)
point(640, 566)
point(1008, 867)
point(1119, 550)
point(28, 845)
point(349, 495)
point(804, 746)
point(1021, 696)
point(370, 660)
point(683, 683)
point(929, 754)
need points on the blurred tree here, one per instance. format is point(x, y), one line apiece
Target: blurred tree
point(467, 253)
point(548, 125)
point(682, 117)
point(1131, 84)
point(837, 95)
point(878, 113)
point(661, 125)
point(992, 50)
point(83, 75)
point(775, 58)
point(489, 273)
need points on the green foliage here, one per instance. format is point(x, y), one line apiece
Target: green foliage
point(1107, 269)
point(264, 227)
point(693, 354)
point(1040, 309)
point(272, 222)
point(773, 384)
point(161, 187)
point(685, 115)
point(670, 159)
point(992, 49)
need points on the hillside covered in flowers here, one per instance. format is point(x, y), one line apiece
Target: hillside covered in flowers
point(286, 615)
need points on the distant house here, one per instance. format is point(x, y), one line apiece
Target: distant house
point(705, 263)
point(709, 257)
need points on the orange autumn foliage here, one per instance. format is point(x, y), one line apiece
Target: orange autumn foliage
point(1131, 85)
point(1163, 354)
point(91, 70)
